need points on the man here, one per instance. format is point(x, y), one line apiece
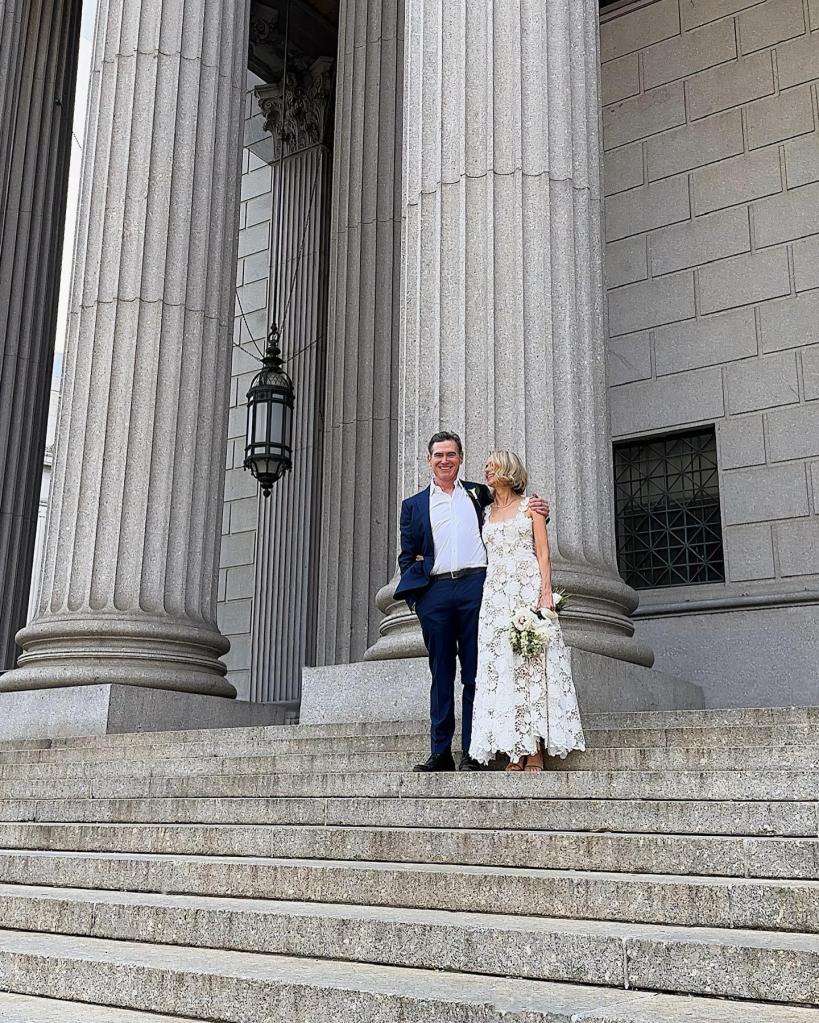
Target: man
point(443, 566)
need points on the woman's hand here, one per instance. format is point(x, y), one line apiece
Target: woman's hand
point(547, 599)
point(539, 506)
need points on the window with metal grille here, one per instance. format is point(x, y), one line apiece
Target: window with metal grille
point(667, 510)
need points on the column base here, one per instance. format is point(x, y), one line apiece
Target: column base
point(108, 709)
point(66, 651)
point(596, 620)
point(398, 690)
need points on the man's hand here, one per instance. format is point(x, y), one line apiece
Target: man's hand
point(541, 507)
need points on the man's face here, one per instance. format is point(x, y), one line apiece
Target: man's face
point(444, 461)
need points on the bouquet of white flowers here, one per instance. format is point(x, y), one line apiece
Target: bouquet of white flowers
point(533, 628)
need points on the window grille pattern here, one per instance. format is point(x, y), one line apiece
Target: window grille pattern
point(667, 510)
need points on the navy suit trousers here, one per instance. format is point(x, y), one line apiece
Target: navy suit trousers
point(448, 611)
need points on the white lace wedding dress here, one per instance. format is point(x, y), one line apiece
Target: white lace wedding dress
point(518, 701)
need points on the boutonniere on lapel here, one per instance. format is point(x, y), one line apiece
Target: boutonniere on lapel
point(473, 493)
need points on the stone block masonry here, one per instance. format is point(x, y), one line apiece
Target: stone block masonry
point(712, 222)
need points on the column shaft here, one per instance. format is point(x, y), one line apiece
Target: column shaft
point(503, 327)
point(38, 43)
point(289, 524)
point(129, 583)
point(359, 523)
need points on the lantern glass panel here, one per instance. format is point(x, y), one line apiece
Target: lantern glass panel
point(275, 435)
point(260, 424)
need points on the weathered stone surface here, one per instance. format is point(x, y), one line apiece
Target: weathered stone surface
point(130, 568)
point(104, 709)
point(651, 304)
point(700, 12)
point(620, 79)
point(765, 493)
point(737, 180)
point(487, 228)
point(643, 115)
point(27, 1009)
point(706, 341)
point(743, 279)
point(681, 397)
point(623, 168)
point(791, 215)
point(802, 157)
point(779, 117)
point(362, 329)
point(629, 358)
point(768, 24)
point(639, 210)
point(798, 61)
point(250, 988)
point(791, 323)
point(702, 240)
point(635, 31)
point(794, 432)
point(749, 550)
point(694, 145)
point(741, 442)
point(38, 42)
point(770, 380)
point(806, 263)
point(798, 544)
point(729, 85)
point(626, 262)
point(395, 690)
point(688, 53)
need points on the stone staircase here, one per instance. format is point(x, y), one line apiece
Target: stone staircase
point(301, 874)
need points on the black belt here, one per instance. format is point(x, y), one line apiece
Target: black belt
point(459, 574)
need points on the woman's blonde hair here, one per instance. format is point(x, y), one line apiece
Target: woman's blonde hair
point(509, 470)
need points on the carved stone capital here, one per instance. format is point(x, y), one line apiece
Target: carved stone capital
point(305, 106)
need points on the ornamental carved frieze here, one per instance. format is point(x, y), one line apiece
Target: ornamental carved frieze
point(306, 102)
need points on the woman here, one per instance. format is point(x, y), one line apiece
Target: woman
point(520, 703)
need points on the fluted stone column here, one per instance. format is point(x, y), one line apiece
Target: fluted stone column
point(38, 62)
point(289, 521)
point(360, 467)
point(503, 325)
point(129, 585)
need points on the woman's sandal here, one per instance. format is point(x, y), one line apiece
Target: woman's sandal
point(535, 768)
point(513, 768)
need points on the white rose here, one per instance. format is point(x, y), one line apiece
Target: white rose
point(522, 619)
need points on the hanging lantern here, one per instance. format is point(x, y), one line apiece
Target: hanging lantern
point(269, 419)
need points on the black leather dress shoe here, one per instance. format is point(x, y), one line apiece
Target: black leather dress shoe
point(468, 763)
point(436, 762)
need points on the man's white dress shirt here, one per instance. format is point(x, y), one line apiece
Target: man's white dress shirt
point(455, 530)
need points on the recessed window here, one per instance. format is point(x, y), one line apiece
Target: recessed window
point(667, 509)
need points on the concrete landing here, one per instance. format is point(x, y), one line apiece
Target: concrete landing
point(399, 690)
point(105, 709)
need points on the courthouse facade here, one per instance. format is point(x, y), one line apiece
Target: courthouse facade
point(629, 300)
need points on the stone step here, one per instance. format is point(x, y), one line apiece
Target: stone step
point(711, 716)
point(687, 817)
point(762, 965)
point(795, 858)
point(223, 742)
point(792, 758)
point(749, 904)
point(27, 1009)
point(243, 987)
point(393, 736)
point(700, 785)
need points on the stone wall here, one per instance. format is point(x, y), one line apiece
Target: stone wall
point(239, 522)
point(712, 223)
